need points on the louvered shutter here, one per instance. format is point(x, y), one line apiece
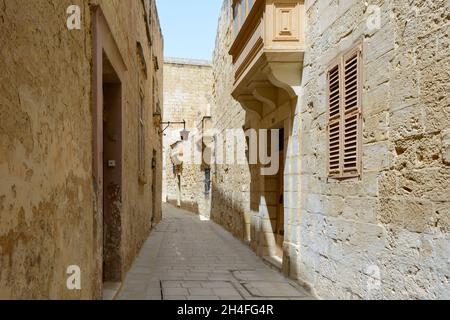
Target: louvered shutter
point(334, 126)
point(352, 114)
point(345, 121)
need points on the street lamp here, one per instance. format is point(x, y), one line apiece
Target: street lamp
point(184, 134)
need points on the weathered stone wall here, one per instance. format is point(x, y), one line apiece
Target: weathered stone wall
point(395, 219)
point(138, 199)
point(187, 96)
point(385, 235)
point(45, 162)
point(231, 183)
point(245, 202)
point(47, 196)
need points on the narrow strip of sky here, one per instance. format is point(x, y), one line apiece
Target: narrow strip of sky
point(189, 27)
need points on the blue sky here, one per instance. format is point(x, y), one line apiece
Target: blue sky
point(189, 27)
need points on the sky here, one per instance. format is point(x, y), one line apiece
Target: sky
point(189, 27)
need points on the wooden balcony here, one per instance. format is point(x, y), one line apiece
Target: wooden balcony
point(267, 51)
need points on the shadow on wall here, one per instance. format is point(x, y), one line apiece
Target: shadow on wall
point(225, 212)
point(185, 205)
point(255, 215)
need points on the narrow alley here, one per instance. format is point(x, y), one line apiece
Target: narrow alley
point(224, 150)
point(187, 258)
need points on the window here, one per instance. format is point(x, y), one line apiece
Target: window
point(344, 115)
point(249, 6)
point(141, 58)
point(236, 19)
point(241, 10)
point(207, 181)
point(141, 142)
point(241, 13)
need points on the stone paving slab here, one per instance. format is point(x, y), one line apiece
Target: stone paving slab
point(188, 259)
point(272, 289)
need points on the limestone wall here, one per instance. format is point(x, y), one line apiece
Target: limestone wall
point(385, 235)
point(139, 201)
point(187, 96)
point(231, 183)
point(48, 210)
point(395, 220)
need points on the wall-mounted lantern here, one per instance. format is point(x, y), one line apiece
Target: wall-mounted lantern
point(184, 134)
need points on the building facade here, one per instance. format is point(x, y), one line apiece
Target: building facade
point(187, 97)
point(80, 147)
point(356, 91)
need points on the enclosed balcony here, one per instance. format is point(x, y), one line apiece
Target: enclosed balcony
point(267, 51)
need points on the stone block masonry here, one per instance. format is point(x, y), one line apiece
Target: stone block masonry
point(187, 97)
point(402, 158)
point(231, 202)
point(52, 212)
point(386, 234)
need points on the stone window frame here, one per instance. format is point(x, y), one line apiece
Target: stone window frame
point(344, 127)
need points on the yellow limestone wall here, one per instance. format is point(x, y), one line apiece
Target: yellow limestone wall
point(47, 196)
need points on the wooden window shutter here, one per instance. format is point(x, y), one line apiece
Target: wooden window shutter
point(334, 126)
point(352, 113)
point(345, 117)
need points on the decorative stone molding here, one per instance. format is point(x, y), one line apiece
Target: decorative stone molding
point(268, 54)
point(265, 93)
point(285, 73)
point(251, 104)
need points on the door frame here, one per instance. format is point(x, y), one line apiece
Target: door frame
point(103, 44)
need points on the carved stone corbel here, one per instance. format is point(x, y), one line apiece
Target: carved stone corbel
point(267, 94)
point(250, 104)
point(285, 75)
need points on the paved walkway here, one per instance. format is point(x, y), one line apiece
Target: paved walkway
point(189, 259)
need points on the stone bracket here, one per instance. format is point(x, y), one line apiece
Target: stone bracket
point(259, 90)
point(285, 75)
point(249, 103)
point(267, 95)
